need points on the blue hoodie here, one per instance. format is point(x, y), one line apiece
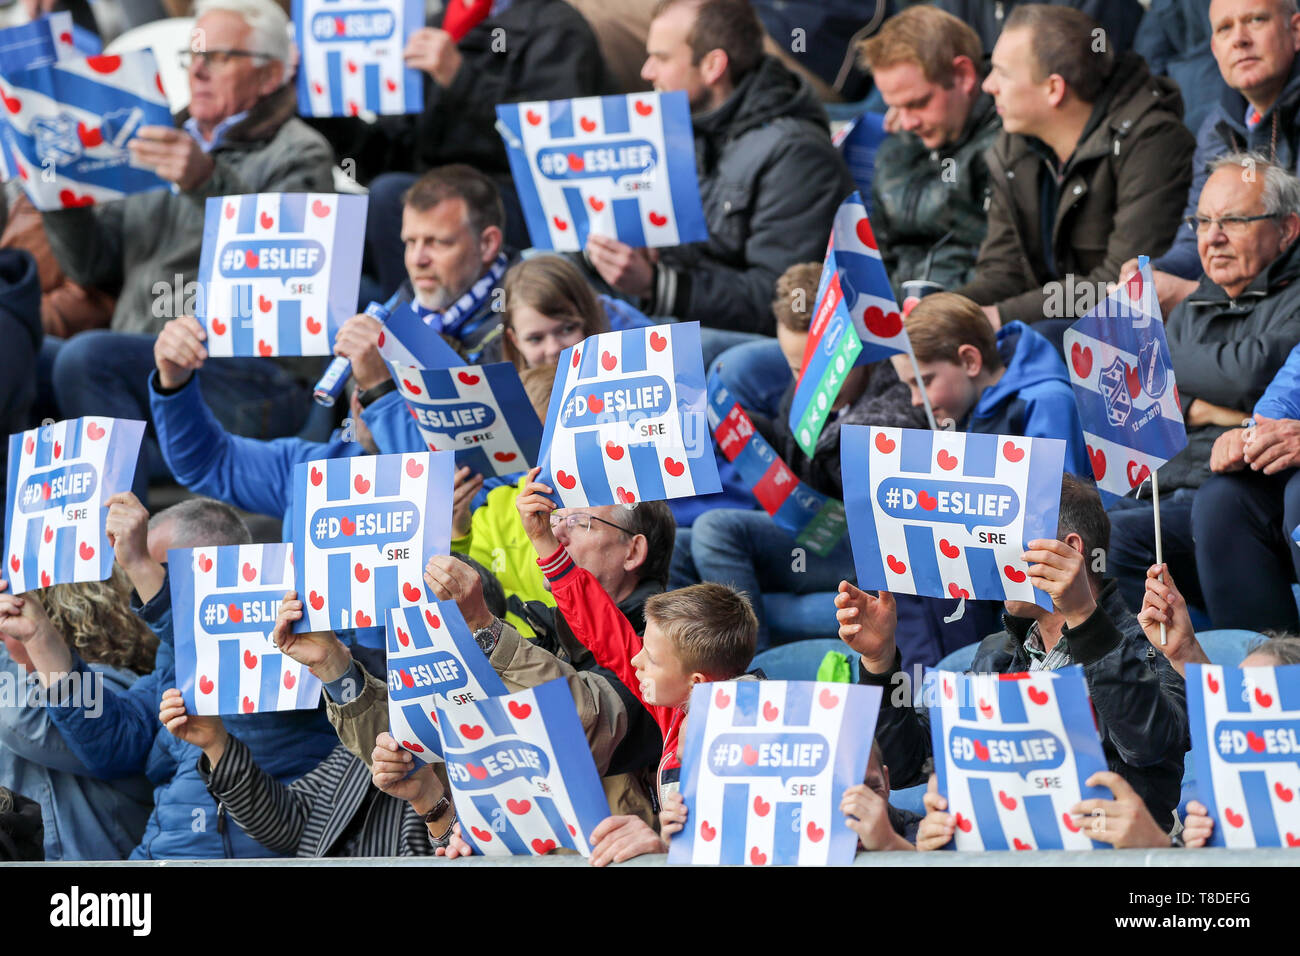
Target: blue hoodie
point(1282, 397)
point(1033, 397)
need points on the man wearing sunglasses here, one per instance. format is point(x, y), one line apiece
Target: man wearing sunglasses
point(1227, 340)
point(239, 135)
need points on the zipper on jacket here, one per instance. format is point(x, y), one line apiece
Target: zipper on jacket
point(225, 834)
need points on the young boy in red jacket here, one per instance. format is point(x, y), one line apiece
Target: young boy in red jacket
point(692, 635)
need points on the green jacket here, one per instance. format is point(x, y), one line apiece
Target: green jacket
point(151, 238)
point(919, 195)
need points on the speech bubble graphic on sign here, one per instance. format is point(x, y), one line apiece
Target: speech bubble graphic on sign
point(617, 166)
point(627, 419)
point(948, 514)
point(432, 655)
point(59, 477)
point(279, 272)
point(363, 529)
point(352, 57)
point(224, 604)
point(481, 412)
point(765, 767)
point(521, 772)
point(1245, 724)
point(1011, 753)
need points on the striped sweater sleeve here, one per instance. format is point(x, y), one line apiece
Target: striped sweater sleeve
point(597, 622)
point(270, 812)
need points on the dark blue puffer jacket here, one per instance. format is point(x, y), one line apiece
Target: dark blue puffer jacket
point(20, 331)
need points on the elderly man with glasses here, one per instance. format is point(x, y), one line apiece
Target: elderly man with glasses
point(1227, 340)
point(239, 135)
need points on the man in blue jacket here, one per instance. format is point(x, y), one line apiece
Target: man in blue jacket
point(126, 738)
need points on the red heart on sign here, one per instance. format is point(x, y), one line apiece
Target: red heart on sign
point(312, 326)
point(947, 689)
point(707, 833)
point(248, 706)
point(963, 824)
point(361, 484)
point(981, 752)
point(657, 219)
point(533, 118)
point(827, 699)
point(658, 342)
point(865, 235)
point(518, 807)
point(761, 806)
point(1007, 800)
point(595, 204)
point(289, 681)
point(674, 467)
point(560, 224)
point(1081, 359)
point(318, 89)
point(566, 480)
point(643, 108)
point(588, 124)
point(407, 680)
point(362, 572)
point(1263, 699)
point(948, 549)
point(86, 551)
point(815, 833)
point(45, 491)
point(881, 324)
point(615, 452)
point(1255, 742)
point(576, 163)
point(13, 104)
point(45, 579)
point(218, 327)
point(403, 638)
point(483, 835)
point(504, 456)
point(264, 304)
point(477, 772)
point(250, 659)
point(413, 468)
point(1012, 453)
point(1013, 574)
point(757, 858)
point(1134, 286)
point(1285, 794)
point(267, 220)
point(467, 378)
point(251, 259)
point(624, 497)
point(347, 526)
point(413, 389)
point(541, 846)
point(230, 211)
point(884, 444)
point(205, 685)
point(607, 361)
point(986, 708)
point(236, 614)
point(250, 572)
point(926, 500)
point(49, 534)
point(1142, 475)
point(414, 748)
point(29, 445)
point(946, 461)
point(71, 200)
point(1133, 380)
point(391, 84)
point(471, 732)
point(1292, 839)
point(1039, 697)
point(363, 619)
point(58, 449)
point(352, 67)
point(316, 476)
point(721, 699)
point(1021, 844)
point(1235, 819)
point(895, 565)
point(1211, 683)
point(1069, 823)
point(94, 432)
point(519, 710)
point(65, 38)
point(749, 756)
point(770, 711)
point(595, 405)
point(1098, 459)
point(957, 592)
point(319, 209)
point(317, 601)
point(576, 357)
point(411, 592)
point(89, 137)
point(103, 64)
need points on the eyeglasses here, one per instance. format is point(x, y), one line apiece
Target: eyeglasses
point(216, 59)
point(582, 520)
point(1232, 225)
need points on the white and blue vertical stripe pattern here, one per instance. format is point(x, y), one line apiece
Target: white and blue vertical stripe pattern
point(344, 73)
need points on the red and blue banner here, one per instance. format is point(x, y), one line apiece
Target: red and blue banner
point(628, 421)
point(279, 272)
point(59, 477)
point(363, 529)
point(43, 41)
point(224, 604)
point(1011, 753)
point(352, 57)
point(764, 769)
point(855, 321)
point(65, 126)
point(521, 772)
point(817, 521)
point(432, 655)
point(948, 514)
point(481, 412)
point(1245, 724)
point(1124, 385)
point(617, 166)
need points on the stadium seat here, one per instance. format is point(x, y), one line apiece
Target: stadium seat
point(800, 660)
point(959, 660)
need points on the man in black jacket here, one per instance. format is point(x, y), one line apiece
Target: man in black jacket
point(20, 330)
point(770, 180)
point(1138, 698)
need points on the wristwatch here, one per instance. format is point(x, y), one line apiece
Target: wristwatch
point(487, 637)
point(368, 395)
point(432, 817)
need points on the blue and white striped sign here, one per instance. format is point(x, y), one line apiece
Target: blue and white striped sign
point(617, 166)
point(65, 127)
point(627, 420)
point(1124, 385)
point(408, 340)
point(352, 57)
point(363, 529)
point(521, 773)
point(224, 604)
point(948, 514)
point(1011, 753)
point(279, 272)
point(431, 655)
point(1246, 745)
point(481, 412)
point(765, 767)
point(59, 477)
point(43, 41)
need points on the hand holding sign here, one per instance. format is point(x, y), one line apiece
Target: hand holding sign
point(207, 733)
point(434, 52)
point(1058, 570)
point(1163, 606)
point(358, 342)
point(938, 826)
point(327, 656)
point(535, 513)
point(1124, 822)
point(464, 489)
point(867, 624)
point(390, 771)
point(867, 815)
point(127, 528)
point(616, 839)
point(451, 579)
point(625, 268)
point(173, 154)
point(178, 352)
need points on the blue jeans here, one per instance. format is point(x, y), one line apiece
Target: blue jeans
point(1133, 546)
point(714, 342)
point(756, 373)
point(107, 373)
point(747, 550)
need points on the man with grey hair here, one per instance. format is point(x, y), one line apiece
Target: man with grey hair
point(1254, 43)
point(239, 135)
point(1227, 340)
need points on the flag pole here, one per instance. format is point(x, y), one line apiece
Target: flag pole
point(920, 385)
point(1160, 557)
